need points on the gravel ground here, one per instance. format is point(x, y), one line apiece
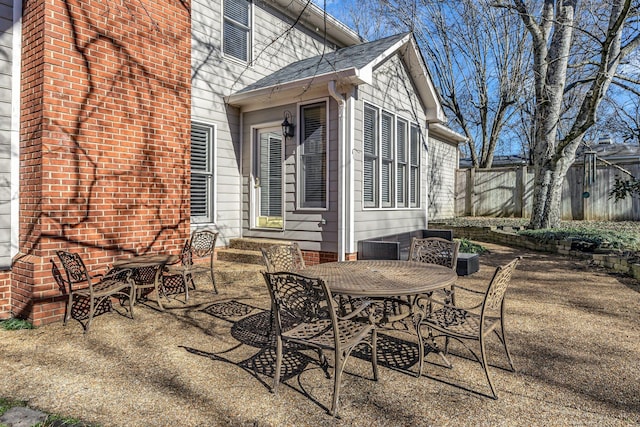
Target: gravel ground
point(573, 332)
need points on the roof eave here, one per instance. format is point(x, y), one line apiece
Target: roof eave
point(347, 76)
point(424, 85)
point(443, 131)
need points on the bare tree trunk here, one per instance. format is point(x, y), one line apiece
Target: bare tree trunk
point(559, 125)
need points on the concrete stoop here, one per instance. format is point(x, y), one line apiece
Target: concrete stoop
point(246, 251)
point(234, 271)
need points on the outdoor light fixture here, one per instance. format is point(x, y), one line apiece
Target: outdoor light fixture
point(287, 125)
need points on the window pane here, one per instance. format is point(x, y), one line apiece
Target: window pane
point(270, 175)
point(414, 185)
point(314, 156)
point(370, 165)
point(199, 205)
point(402, 171)
point(236, 41)
point(201, 173)
point(401, 150)
point(402, 141)
point(238, 10)
point(237, 29)
point(370, 131)
point(386, 136)
point(370, 169)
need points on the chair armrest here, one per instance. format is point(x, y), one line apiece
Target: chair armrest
point(123, 274)
point(359, 306)
point(426, 303)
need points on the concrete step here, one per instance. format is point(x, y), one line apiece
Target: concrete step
point(230, 271)
point(254, 244)
point(242, 256)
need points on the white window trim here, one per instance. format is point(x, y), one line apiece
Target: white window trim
point(410, 123)
point(214, 172)
point(249, 61)
point(297, 141)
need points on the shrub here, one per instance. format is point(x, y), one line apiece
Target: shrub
point(594, 238)
point(468, 246)
point(15, 324)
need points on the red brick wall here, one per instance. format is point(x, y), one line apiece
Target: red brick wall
point(105, 137)
point(5, 295)
point(316, 257)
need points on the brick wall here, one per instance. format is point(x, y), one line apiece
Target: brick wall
point(5, 295)
point(104, 167)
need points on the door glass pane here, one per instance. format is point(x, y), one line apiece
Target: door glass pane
point(270, 175)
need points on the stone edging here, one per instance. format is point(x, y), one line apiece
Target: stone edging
point(508, 237)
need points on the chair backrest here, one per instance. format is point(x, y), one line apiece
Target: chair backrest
point(202, 244)
point(283, 258)
point(299, 299)
point(494, 298)
point(435, 250)
point(74, 268)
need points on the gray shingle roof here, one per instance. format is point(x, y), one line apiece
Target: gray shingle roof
point(357, 56)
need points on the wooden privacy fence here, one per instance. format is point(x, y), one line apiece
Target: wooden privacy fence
point(508, 192)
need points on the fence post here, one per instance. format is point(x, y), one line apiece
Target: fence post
point(471, 192)
point(521, 191)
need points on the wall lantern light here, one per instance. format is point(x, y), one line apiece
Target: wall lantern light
point(287, 125)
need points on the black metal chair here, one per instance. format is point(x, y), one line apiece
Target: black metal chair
point(97, 290)
point(474, 323)
point(307, 304)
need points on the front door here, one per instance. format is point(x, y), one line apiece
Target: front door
point(267, 178)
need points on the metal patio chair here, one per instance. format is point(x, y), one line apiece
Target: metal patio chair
point(435, 250)
point(95, 290)
point(283, 258)
point(197, 257)
point(307, 304)
point(473, 323)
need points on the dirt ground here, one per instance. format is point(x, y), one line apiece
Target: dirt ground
point(573, 330)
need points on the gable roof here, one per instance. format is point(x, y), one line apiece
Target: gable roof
point(349, 65)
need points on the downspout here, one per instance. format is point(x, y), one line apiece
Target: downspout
point(427, 169)
point(342, 181)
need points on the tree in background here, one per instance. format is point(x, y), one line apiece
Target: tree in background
point(477, 58)
point(577, 51)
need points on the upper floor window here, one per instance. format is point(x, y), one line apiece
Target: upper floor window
point(313, 156)
point(202, 137)
point(391, 169)
point(236, 31)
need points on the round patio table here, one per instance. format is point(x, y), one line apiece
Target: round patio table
point(388, 280)
point(382, 278)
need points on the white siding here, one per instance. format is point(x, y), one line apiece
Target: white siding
point(441, 179)
point(6, 63)
point(302, 225)
point(392, 91)
point(214, 77)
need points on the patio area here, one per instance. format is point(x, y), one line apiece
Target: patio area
point(573, 331)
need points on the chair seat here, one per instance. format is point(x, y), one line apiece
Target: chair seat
point(105, 287)
point(320, 333)
point(458, 321)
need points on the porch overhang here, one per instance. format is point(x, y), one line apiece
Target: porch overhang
point(295, 90)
